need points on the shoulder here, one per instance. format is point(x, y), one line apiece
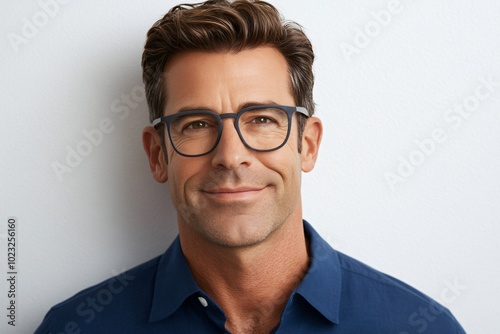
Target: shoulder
point(361, 273)
point(372, 298)
point(125, 293)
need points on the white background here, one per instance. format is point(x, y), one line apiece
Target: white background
point(436, 227)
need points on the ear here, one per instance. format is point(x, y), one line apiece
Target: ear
point(151, 141)
point(311, 139)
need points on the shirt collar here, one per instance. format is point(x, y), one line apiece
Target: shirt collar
point(321, 286)
point(174, 283)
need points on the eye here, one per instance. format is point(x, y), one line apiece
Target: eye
point(262, 120)
point(196, 125)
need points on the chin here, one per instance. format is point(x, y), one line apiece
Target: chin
point(236, 232)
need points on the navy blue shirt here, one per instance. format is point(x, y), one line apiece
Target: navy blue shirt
point(337, 295)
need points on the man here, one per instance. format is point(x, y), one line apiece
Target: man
point(229, 88)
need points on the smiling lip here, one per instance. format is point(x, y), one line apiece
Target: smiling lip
point(231, 194)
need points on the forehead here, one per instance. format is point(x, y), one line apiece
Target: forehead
point(219, 80)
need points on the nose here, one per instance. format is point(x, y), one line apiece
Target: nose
point(231, 153)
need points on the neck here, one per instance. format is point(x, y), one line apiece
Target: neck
point(252, 283)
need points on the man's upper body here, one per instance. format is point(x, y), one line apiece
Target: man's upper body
point(229, 88)
point(337, 295)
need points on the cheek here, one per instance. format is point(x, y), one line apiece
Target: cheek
point(179, 173)
point(286, 163)
point(182, 172)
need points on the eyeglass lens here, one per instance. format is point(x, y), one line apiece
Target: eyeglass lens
point(260, 129)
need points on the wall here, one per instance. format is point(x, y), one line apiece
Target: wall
point(407, 180)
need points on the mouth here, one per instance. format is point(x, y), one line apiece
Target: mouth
point(234, 194)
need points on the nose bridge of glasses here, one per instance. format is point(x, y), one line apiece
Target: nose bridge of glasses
point(234, 116)
point(228, 115)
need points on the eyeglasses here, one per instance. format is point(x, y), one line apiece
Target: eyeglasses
point(261, 128)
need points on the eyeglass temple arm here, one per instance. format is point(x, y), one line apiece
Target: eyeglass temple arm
point(156, 122)
point(302, 110)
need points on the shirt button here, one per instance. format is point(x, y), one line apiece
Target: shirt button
point(203, 301)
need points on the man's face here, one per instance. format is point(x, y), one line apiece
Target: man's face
point(233, 196)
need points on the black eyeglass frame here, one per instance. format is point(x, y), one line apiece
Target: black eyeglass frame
point(289, 110)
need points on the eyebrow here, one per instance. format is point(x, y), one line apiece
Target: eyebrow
point(189, 108)
point(240, 107)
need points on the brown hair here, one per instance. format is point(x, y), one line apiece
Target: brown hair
point(221, 25)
